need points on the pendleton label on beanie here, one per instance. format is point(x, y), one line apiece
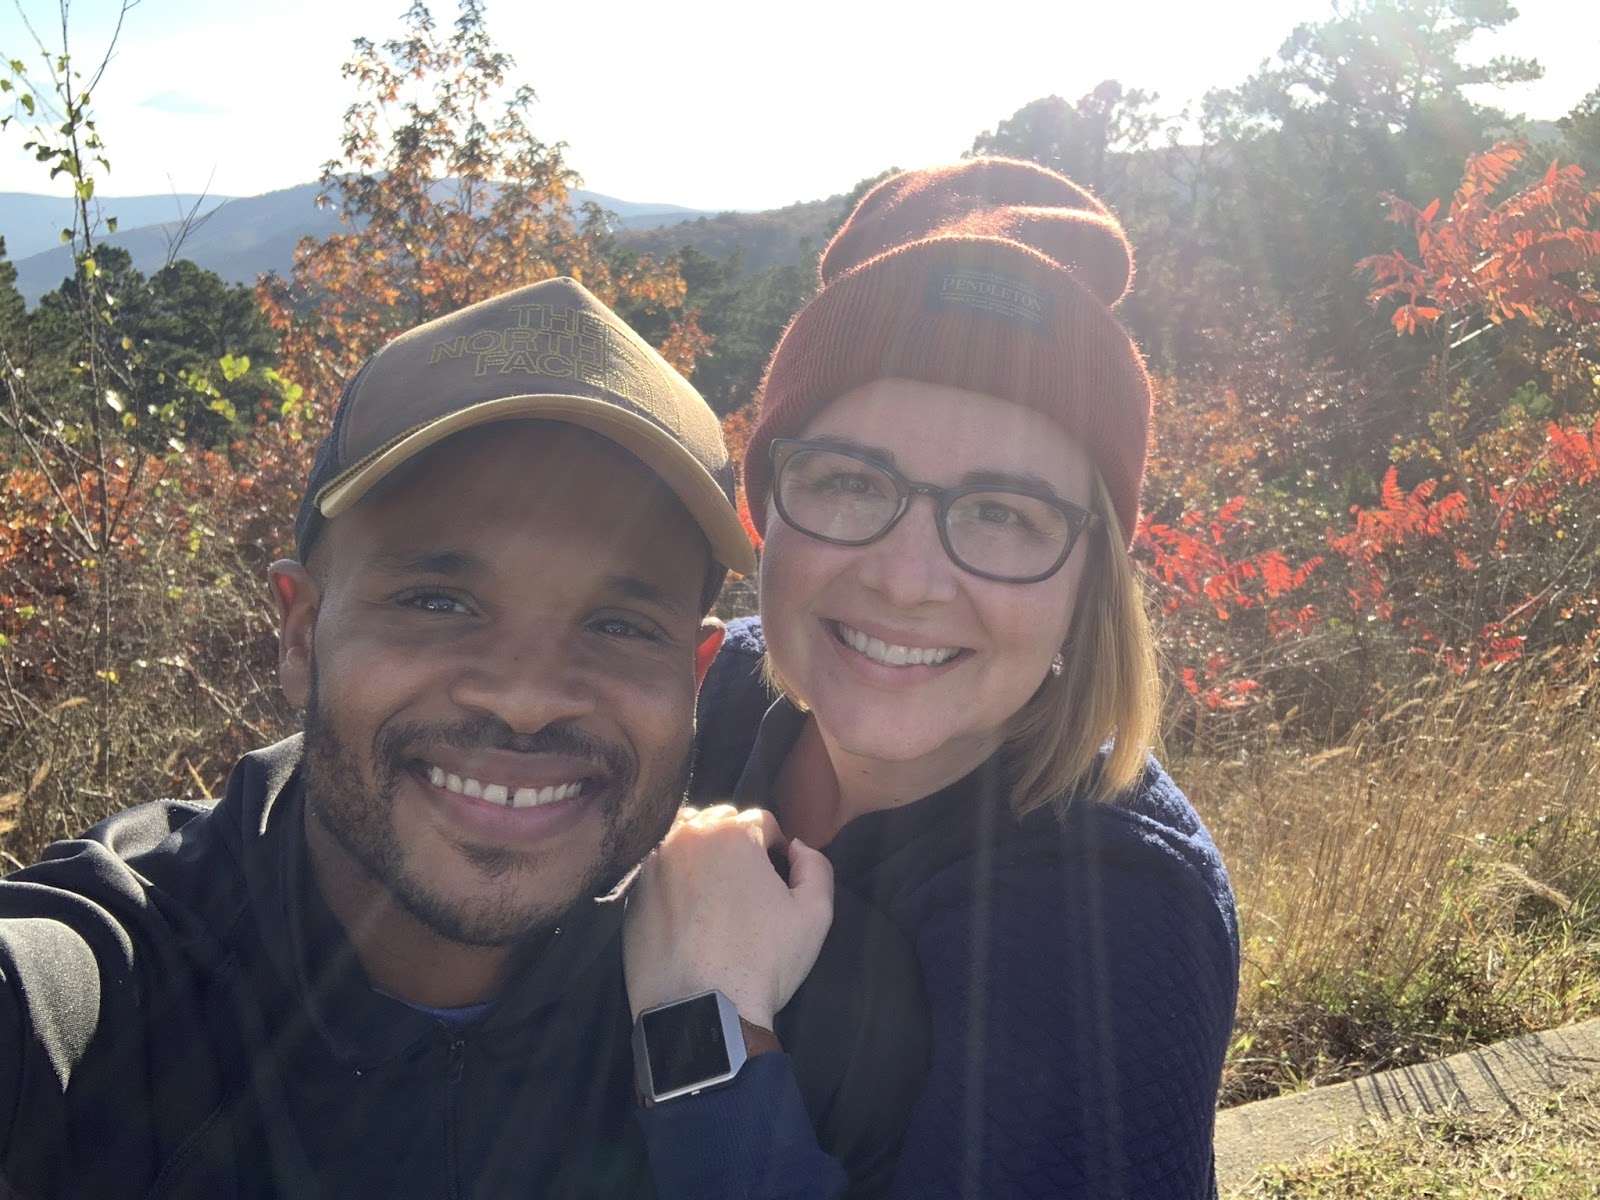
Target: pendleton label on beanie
point(989, 294)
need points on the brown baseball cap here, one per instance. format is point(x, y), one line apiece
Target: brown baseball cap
point(550, 351)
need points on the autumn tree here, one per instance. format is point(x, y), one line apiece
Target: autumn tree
point(1089, 140)
point(447, 197)
point(1501, 538)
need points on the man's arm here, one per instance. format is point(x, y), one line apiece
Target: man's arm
point(51, 986)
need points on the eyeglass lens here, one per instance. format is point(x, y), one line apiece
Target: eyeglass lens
point(841, 498)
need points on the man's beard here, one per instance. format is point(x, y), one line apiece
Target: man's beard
point(359, 816)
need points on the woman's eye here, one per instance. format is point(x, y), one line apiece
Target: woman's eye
point(847, 484)
point(999, 514)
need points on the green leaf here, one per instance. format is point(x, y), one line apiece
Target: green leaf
point(233, 368)
point(66, 235)
point(111, 224)
point(27, 103)
point(85, 189)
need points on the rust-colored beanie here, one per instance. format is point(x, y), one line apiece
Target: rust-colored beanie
point(992, 275)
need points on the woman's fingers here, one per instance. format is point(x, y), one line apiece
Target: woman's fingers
point(710, 911)
point(810, 875)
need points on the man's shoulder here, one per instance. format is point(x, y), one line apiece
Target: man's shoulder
point(156, 870)
point(159, 841)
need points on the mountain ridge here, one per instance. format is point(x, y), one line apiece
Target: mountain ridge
point(237, 237)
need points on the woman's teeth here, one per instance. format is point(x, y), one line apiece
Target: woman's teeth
point(499, 793)
point(880, 651)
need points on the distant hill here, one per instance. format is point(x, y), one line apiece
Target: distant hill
point(33, 224)
point(777, 237)
point(238, 238)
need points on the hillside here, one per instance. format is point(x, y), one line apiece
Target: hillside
point(778, 237)
point(238, 238)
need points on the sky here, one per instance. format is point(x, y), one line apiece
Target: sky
point(702, 103)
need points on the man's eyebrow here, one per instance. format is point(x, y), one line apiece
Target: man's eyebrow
point(430, 562)
point(635, 587)
point(1025, 480)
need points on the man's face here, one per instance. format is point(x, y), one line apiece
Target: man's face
point(497, 668)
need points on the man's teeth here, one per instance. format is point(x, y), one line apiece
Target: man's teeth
point(881, 651)
point(499, 793)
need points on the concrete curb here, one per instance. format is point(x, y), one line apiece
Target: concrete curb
point(1488, 1081)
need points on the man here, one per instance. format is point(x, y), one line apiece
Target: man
point(383, 964)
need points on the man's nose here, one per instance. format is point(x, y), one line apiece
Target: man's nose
point(527, 680)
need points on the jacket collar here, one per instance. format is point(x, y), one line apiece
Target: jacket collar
point(311, 955)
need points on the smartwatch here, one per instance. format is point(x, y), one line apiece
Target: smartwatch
point(685, 1046)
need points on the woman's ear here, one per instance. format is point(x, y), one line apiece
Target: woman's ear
point(297, 597)
point(711, 634)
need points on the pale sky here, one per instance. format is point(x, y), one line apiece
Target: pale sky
point(695, 102)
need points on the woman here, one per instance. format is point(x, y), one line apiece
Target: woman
point(946, 471)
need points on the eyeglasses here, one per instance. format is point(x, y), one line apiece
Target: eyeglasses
point(1008, 534)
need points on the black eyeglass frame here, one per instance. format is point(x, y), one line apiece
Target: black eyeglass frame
point(1079, 519)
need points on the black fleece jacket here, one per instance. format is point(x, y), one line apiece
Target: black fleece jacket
point(181, 1016)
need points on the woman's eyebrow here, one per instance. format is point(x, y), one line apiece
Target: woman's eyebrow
point(875, 454)
point(1025, 480)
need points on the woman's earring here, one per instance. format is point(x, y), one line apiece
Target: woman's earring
point(1056, 664)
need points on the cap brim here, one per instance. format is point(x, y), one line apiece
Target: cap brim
point(646, 441)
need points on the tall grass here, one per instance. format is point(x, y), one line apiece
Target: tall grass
point(1430, 883)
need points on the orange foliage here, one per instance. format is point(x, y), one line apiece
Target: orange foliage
point(1504, 260)
point(1201, 572)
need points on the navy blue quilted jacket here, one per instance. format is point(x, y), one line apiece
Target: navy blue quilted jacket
point(1080, 972)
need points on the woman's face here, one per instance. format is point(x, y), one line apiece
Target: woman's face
point(834, 616)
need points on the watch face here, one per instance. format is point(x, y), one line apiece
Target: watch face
point(685, 1044)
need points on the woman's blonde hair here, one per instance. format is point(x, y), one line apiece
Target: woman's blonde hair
point(1107, 689)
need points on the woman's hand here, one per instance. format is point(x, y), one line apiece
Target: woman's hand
point(709, 910)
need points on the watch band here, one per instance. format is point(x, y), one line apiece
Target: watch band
point(758, 1039)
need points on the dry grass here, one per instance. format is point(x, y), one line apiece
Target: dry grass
point(192, 689)
point(1549, 1154)
point(1430, 884)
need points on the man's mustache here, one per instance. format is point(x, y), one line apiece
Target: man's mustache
point(490, 733)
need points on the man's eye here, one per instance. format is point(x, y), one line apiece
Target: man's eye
point(621, 627)
point(435, 602)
